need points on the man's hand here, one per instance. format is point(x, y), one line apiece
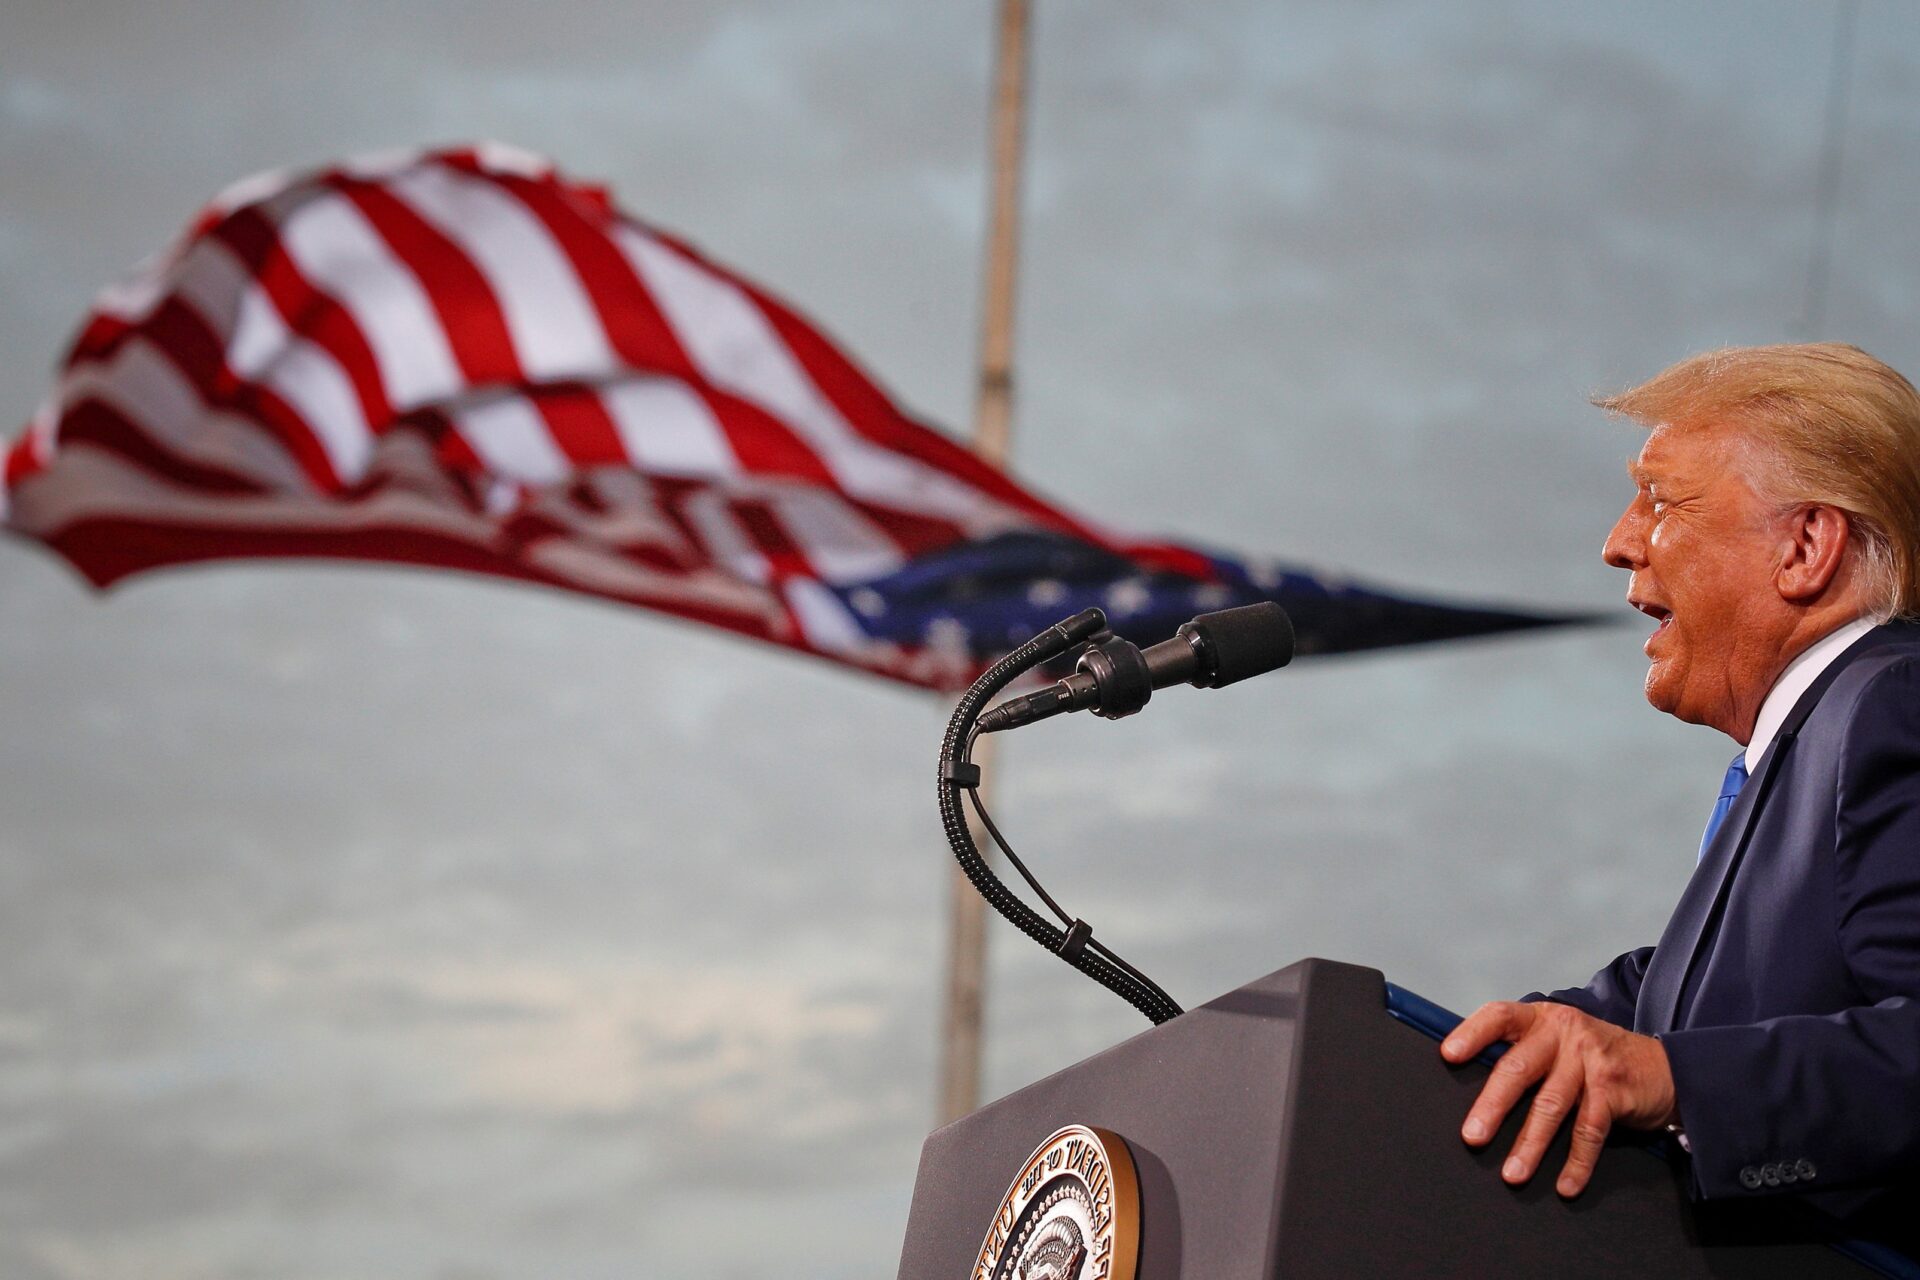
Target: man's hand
point(1611, 1076)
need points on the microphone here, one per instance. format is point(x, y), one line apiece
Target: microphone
point(1114, 678)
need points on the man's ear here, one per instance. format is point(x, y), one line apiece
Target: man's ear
point(1816, 543)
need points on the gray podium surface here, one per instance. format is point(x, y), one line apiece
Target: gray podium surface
point(1293, 1128)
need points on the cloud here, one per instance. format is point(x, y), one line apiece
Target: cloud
point(365, 921)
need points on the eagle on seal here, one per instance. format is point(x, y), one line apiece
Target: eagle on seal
point(1055, 1253)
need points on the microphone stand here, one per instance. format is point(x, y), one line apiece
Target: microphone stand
point(1075, 943)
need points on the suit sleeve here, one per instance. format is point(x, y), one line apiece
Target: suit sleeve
point(1833, 1098)
point(1612, 993)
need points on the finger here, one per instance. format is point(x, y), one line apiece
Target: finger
point(1558, 1096)
point(1526, 1062)
point(1499, 1020)
point(1589, 1138)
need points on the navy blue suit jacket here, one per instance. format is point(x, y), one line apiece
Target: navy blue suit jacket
point(1786, 987)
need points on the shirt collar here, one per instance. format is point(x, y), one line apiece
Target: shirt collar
point(1794, 681)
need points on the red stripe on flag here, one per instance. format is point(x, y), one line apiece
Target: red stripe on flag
point(179, 334)
point(524, 528)
point(269, 407)
point(917, 534)
point(100, 337)
point(469, 311)
point(109, 550)
point(771, 539)
point(183, 336)
point(640, 334)
point(99, 424)
point(761, 441)
point(580, 425)
point(1181, 560)
point(869, 411)
point(634, 324)
point(21, 462)
point(673, 494)
point(307, 310)
point(452, 448)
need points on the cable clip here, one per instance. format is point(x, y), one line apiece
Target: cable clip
point(1076, 940)
point(961, 773)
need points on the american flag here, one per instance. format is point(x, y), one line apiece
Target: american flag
point(459, 358)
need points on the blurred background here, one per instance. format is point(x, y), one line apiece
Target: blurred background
point(371, 921)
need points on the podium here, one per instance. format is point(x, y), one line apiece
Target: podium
point(1295, 1128)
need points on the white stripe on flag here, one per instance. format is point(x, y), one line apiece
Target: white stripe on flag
point(133, 299)
point(260, 348)
point(555, 329)
point(504, 157)
point(729, 340)
point(723, 538)
point(824, 621)
point(733, 344)
point(44, 430)
point(841, 543)
point(378, 166)
point(143, 384)
point(338, 250)
point(669, 430)
point(512, 440)
point(90, 484)
point(309, 379)
point(622, 511)
point(218, 285)
point(586, 566)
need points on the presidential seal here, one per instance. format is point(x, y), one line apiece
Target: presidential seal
point(1073, 1213)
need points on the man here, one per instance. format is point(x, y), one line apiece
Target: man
point(1774, 536)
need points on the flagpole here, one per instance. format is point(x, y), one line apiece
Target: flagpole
point(960, 1041)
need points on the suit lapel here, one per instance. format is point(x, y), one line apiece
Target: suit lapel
point(1695, 920)
point(1680, 946)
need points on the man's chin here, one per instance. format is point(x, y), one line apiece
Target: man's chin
point(1665, 696)
point(1662, 689)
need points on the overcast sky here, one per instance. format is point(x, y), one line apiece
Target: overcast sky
point(361, 921)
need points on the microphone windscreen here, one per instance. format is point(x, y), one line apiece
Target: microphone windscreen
point(1248, 641)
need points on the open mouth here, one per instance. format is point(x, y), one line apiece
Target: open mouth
point(1659, 613)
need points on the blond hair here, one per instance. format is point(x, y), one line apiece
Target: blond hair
point(1844, 430)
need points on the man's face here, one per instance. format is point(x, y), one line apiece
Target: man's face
point(1703, 550)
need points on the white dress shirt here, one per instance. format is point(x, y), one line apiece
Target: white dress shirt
point(1793, 682)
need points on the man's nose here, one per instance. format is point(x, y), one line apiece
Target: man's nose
point(1626, 544)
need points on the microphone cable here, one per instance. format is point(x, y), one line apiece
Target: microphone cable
point(1033, 882)
point(1075, 944)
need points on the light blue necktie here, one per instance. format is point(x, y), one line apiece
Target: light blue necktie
point(1729, 792)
